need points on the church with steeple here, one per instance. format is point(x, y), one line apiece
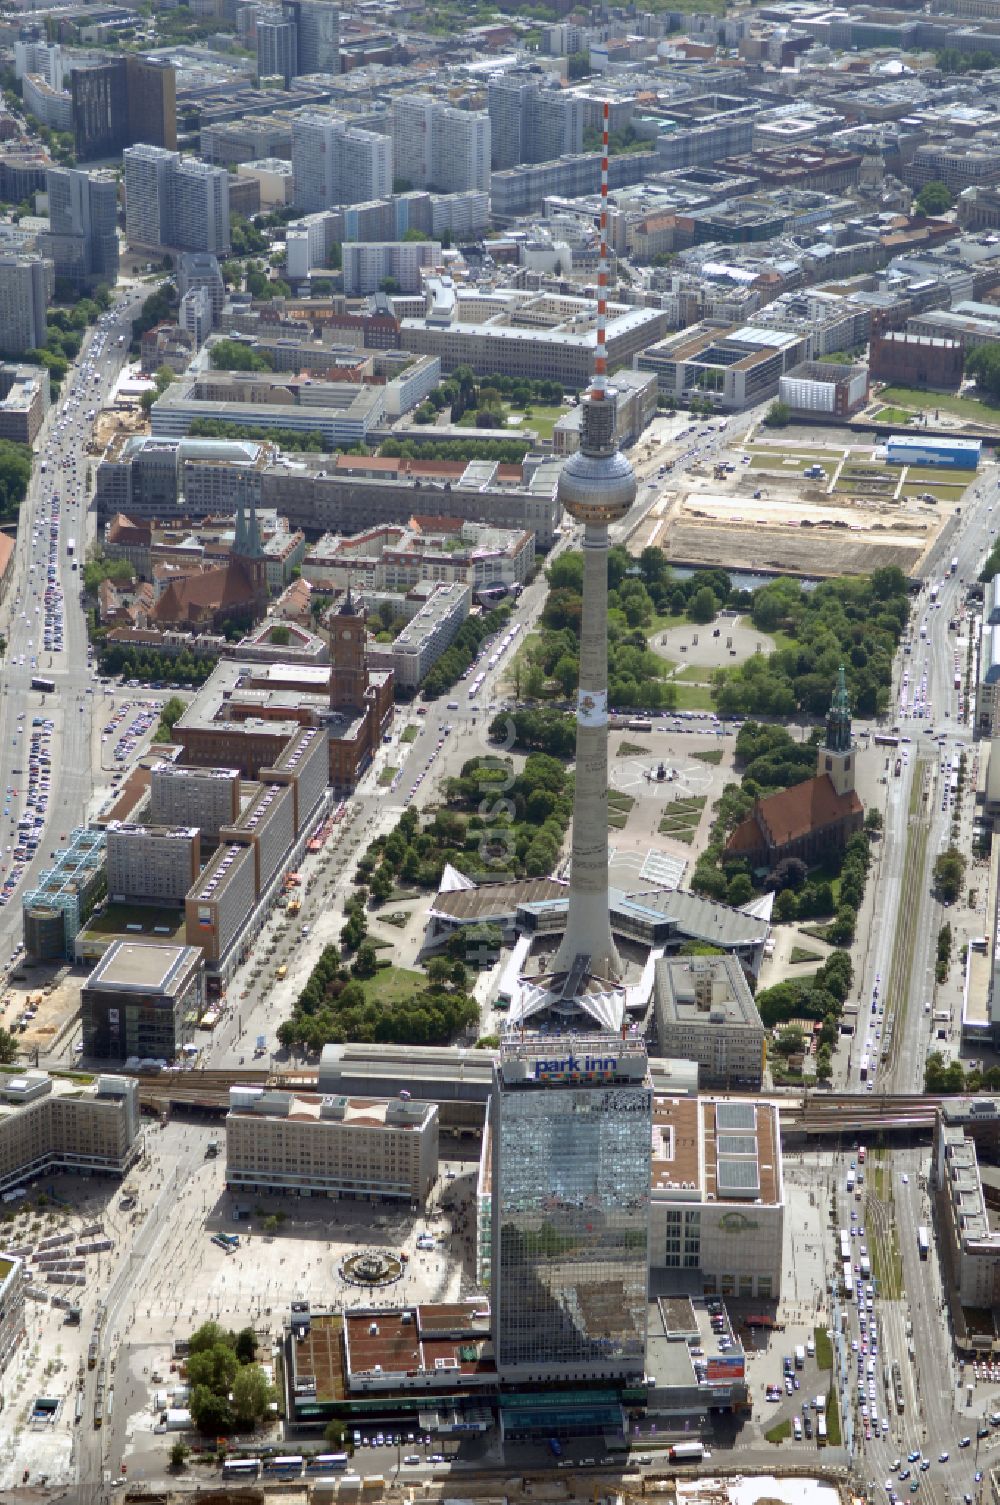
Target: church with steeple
point(216, 596)
point(813, 819)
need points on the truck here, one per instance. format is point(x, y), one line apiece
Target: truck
point(800, 1356)
point(954, 564)
point(866, 1267)
point(687, 1452)
point(923, 1241)
point(821, 1432)
point(294, 904)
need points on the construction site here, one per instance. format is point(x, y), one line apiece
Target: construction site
point(805, 507)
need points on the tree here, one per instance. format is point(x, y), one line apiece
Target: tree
point(209, 1335)
point(578, 65)
point(251, 1395)
point(210, 1412)
point(214, 1367)
point(933, 198)
point(365, 964)
point(777, 415)
point(334, 1432)
point(234, 355)
point(703, 606)
point(949, 875)
point(15, 473)
point(280, 636)
point(873, 820)
point(8, 1047)
point(178, 1454)
point(246, 1345)
point(391, 286)
point(790, 1041)
point(984, 364)
point(170, 713)
point(439, 970)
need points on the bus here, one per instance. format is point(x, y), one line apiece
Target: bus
point(848, 1273)
point(287, 1467)
point(821, 1432)
point(640, 726)
point(45, 685)
point(885, 739)
point(923, 1241)
point(864, 1069)
point(326, 1463)
point(241, 1468)
point(897, 1386)
point(687, 1452)
point(845, 1244)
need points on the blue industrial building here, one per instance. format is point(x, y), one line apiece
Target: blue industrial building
point(909, 449)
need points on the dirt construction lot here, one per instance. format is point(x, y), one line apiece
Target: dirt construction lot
point(763, 510)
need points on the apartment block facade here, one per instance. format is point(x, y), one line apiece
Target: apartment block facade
point(372, 1149)
point(437, 146)
point(25, 290)
point(336, 163)
point(151, 864)
point(83, 220)
point(49, 1124)
point(175, 201)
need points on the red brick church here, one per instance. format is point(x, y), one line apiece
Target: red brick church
point(812, 819)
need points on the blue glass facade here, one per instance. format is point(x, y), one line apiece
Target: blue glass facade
point(571, 1179)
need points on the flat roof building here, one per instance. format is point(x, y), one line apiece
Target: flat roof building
point(208, 798)
point(718, 1200)
point(331, 1145)
point(705, 1012)
point(418, 646)
point(13, 1280)
point(966, 1212)
point(65, 895)
point(142, 999)
point(50, 1124)
point(151, 864)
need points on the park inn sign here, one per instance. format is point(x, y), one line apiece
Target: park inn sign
point(571, 1066)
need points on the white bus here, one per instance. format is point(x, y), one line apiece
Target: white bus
point(326, 1463)
point(864, 1068)
point(241, 1468)
point(287, 1467)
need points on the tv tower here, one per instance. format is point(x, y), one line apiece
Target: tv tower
point(597, 487)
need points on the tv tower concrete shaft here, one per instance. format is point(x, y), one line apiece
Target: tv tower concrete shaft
point(597, 487)
point(588, 923)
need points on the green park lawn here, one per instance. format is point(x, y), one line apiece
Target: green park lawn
point(393, 985)
point(973, 409)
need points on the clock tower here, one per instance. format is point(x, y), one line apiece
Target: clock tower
point(348, 676)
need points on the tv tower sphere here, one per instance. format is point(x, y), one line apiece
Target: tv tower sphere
point(597, 484)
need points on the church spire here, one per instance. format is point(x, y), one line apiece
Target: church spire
point(838, 718)
point(240, 536)
point(254, 547)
